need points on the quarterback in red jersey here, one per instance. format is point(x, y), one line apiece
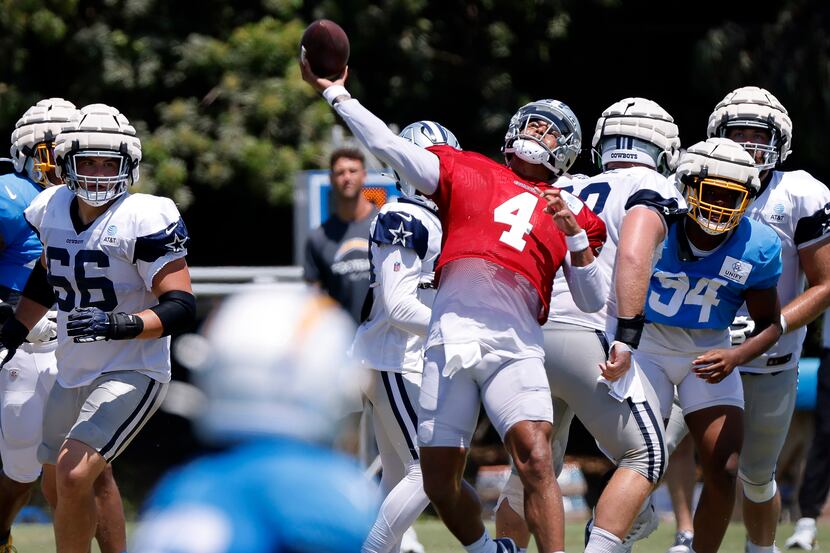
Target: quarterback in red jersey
point(507, 230)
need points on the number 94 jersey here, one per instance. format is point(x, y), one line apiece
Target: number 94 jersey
point(109, 264)
point(706, 292)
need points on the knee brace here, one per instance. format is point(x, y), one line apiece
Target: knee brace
point(758, 493)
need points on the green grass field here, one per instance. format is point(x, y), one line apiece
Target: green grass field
point(38, 538)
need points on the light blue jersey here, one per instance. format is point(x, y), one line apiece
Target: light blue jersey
point(706, 292)
point(267, 497)
point(20, 245)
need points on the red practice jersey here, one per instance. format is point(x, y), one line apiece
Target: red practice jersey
point(488, 211)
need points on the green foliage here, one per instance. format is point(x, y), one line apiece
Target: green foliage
point(215, 89)
point(218, 102)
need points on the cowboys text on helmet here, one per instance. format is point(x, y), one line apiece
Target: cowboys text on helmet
point(637, 130)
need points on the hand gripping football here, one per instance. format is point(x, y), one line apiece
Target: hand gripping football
point(326, 47)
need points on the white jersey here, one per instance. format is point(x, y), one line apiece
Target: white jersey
point(610, 195)
point(797, 207)
point(405, 244)
point(109, 264)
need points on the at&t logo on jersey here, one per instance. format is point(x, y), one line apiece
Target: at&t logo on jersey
point(110, 238)
point(778, 214)
point(735, 270)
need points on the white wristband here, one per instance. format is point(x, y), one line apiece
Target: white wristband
point(620, 346)
point(783, 323)
point(333, 92)
point(577, 242)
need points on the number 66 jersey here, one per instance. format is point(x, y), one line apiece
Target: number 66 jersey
point(109, 264)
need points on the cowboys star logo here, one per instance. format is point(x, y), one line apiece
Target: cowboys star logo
point(176, 244)
point(399, 235)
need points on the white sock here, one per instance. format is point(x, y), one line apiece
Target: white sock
point(484, 544)
point(522, 549)
point(603, 541)
point(752, 548)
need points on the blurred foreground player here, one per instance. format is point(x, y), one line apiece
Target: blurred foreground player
point(274, 384)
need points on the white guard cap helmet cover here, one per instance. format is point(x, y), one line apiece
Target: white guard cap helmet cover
point(98, 130)
point(713, 173)
point(424, 134)
point(754, 107)
point(34, 135)
point(273, 362)
point(637, 130)
point(561, 120)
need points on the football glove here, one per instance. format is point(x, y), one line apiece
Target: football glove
point(740, 329)
point(91, 324)
point(12, 334)
point(45, 330)
point(6, 311)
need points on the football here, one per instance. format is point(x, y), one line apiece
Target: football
point(326, 47)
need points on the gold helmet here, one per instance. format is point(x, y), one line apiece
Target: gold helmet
point(719, 179)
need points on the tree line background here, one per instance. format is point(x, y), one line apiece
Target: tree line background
point(214, 89)
point(225, 120)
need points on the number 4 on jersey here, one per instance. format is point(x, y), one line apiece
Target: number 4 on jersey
point(516, 213)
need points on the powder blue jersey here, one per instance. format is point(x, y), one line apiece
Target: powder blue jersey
point(266, 497)
point(20, 245)
point(706, 292)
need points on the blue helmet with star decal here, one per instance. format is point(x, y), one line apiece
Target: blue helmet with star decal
point(424, 134)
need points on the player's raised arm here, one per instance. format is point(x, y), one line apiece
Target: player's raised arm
point(414, 164)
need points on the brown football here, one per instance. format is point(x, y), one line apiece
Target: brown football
point(326, 47)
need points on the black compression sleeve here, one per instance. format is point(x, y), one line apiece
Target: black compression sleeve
point(176, 310)
point(38, 288)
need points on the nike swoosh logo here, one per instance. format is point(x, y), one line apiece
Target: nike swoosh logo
point(12, 195)
point(406, 217)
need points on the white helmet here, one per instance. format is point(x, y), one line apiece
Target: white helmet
point(751, 106)
point(722, 168)
point(98, 131)
point(637, 130)
point(33, 138)
point(273, 362)
point(424, 134)
point(560, 119)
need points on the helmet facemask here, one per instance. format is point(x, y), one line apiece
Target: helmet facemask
point(715, 204)
point(98, 187)
point(527, 143)
point(755, 108)
point(43, 164)
point(766, 155)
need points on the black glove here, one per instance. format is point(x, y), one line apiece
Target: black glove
point(12, 334)
point(6, 311)
point(91, 324)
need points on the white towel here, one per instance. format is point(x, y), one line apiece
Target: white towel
point(460, 356)
point(629, 385)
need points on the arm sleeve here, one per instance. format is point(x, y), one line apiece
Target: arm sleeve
point(399, 270)
point(414, 164)
point(660, 195)
point(588, 285)
point(814, 226)
point(161, 238)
